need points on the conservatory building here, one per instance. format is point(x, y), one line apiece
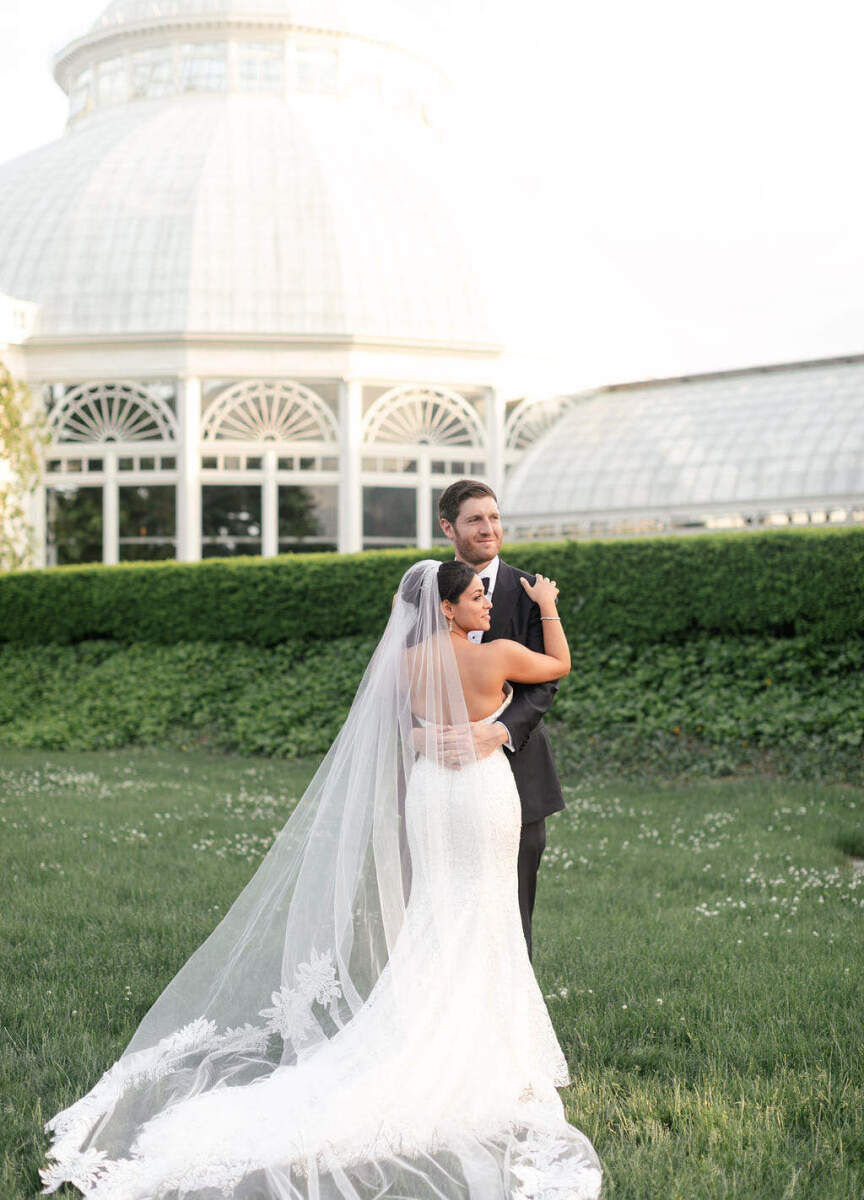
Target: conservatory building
point(241, 285)
point(778, 445)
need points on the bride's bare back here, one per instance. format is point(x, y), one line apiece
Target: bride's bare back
point(485, 667)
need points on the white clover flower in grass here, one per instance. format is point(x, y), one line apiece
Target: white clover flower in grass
point(316, 980)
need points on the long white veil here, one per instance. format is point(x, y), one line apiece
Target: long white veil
point(280, 982)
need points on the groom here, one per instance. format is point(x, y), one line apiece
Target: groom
point(468, 511)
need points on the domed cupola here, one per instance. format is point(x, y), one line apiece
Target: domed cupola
point(240, 167)
point(261, 323)
point(140, 49)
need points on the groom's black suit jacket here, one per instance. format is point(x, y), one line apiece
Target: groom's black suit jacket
point(516, 616)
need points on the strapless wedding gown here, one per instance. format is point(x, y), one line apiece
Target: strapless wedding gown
point(450, 1068)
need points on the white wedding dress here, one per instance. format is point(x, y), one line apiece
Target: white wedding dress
point(442, 1083)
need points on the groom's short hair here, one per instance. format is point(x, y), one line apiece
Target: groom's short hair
point(453, 497)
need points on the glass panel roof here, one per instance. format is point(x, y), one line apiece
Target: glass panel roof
point(140, 221)
point(777, 434)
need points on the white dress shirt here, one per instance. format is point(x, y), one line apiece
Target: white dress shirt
point(490, 573)
point(476, 635)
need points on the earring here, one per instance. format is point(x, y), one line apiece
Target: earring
point(449, 624)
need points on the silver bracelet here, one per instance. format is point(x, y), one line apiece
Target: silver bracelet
point(550, 618)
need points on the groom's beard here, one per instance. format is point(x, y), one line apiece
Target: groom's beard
point(474, 553)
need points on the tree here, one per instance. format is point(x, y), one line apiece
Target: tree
point(23, 433)
point(297, 517)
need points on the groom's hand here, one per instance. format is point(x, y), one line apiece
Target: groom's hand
point(449, 746)
point(488, 737)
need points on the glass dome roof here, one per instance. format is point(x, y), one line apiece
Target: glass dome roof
point(240, 214)
point(284, 181)
point(772, 436)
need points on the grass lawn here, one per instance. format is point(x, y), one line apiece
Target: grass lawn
point(700, 946)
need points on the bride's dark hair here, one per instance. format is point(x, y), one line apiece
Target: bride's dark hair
point(453, 578)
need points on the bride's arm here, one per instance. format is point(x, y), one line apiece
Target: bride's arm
point(521, 665)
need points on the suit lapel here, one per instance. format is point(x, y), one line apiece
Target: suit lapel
point(503, 602)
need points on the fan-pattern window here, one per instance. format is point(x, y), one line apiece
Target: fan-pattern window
point(268, 410)
point(530, 419)
point(423, 416)
point(112, 412)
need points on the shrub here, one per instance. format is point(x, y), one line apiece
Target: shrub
point(709, 705)
point(640, 591)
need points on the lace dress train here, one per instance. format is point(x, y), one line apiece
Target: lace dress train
point(444, 1082)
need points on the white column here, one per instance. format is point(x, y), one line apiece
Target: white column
point(495, 440)
point(189, 464)
point(269, 507)
point(424, 502)
point(38, 526)
point(350, 491)
point(110, 511)
point(38, 499)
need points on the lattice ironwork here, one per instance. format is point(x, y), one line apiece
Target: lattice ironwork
point(421, 416)
point(112, 412)
point(530, 419)
point(265, 410)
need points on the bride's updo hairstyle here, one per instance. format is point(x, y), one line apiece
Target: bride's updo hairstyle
point(453, 578)
point(417, 588)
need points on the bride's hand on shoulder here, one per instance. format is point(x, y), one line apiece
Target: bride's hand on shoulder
point(542, 591)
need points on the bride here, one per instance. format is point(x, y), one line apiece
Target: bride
point(364, 1023)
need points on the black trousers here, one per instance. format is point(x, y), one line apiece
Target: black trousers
point(532, 843)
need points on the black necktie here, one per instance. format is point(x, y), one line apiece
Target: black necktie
point(485, 579)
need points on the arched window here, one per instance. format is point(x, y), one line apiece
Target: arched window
point(530, 419)
point(111, 473)
point(269, 410)
point(260, 499)
point(112, 412)
point(423, 416)
point(416, 439)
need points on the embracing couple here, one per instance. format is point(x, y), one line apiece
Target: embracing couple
point(364, 1023)
point(468, 511)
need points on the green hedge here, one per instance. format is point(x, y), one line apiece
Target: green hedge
point(641, 591)
point(710, 705)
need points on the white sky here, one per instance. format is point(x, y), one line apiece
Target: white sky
point(678, 185)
